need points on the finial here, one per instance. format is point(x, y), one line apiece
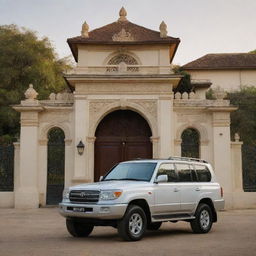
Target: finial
point(85, 30)
point(122, 14)
point(163, 29)
point(237, 137)
point(31, 93)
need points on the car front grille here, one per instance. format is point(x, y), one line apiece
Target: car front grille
point(84, 196)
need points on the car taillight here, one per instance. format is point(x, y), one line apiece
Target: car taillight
point(221, 192)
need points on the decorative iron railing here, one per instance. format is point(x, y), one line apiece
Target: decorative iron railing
point(249, 168)
point(6, 168)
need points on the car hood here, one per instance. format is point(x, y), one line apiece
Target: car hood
point(113, 184)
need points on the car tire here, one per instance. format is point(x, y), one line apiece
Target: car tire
point(78, 229)
point(203, 221)
point(154, 226)
point(132, 226)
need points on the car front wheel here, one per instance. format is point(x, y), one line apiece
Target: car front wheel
point(203, 219)
point(132, 226)
point(78, 229)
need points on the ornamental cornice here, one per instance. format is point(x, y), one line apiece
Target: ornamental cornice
point(90, 139)
point(98, 108)
point(221, 124)
point(68, 142)
point(29, 123)
point(21, 108)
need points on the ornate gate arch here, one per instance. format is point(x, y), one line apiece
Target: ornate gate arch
point(121, 135)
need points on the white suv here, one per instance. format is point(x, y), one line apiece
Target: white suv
point(141, 194)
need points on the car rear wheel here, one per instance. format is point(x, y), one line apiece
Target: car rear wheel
point(78, 229)
point(203, 221)
point(132, 226)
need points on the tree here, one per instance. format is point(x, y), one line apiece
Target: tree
point(185, 83)
point(25, 59)
point(243, 120)
point(254, 51)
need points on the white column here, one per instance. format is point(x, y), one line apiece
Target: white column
point(155, 148)
point(177, 147)
point(26, 195)
point(90, 159)
point(165, 126)
point(81, 131)
point(236, 163)
point(222, 154)
point(42, 171)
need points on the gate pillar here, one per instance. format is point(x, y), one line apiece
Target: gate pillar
point(26, 187)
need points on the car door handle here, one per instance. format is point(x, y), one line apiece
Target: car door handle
point(197, 189)
point(176, 190)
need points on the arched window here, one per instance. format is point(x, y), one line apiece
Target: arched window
point(122, 59)
point(190, 143)
point(55, 166)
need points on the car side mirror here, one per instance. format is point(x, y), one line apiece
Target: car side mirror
point(101, 178)
point(162, 178)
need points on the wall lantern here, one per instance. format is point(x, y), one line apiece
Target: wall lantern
point(80, 148)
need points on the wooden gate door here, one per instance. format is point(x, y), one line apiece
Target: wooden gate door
point(122, 135)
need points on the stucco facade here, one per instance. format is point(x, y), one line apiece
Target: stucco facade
point(229, 80)
point(142, 82)
point(230, 71)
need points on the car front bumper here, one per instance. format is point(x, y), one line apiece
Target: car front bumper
point(97, 211)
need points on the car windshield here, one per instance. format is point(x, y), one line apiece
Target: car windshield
point(131, 171)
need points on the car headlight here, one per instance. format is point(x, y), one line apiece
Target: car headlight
point(110, 194)
point(65, 194)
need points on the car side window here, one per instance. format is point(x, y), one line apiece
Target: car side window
point(184, 172)
point(203, 173)
point(169, 170)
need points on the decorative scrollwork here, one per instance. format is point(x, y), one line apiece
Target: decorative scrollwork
point(123, 58)
point(127, 59)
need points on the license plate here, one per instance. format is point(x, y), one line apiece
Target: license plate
point(78, 209)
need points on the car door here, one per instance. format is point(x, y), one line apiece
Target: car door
point(189, 187)
point(167, 194)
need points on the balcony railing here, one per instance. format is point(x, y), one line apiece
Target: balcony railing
point(122, 69)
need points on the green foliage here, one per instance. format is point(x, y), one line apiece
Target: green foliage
point(210, 95)
point(254, 51)
point(185, 84)
point(25, 59)
point(243, 120)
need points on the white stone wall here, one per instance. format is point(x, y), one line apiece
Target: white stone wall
point(145, 55)
point(229, 80)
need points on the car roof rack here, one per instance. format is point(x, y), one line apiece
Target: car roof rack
point(190, 159)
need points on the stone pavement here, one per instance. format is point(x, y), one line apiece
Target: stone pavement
point(42, 232)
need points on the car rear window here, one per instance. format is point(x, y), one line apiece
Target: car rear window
point(203, 173)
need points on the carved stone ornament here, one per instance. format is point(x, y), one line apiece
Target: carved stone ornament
point(52, 96)
point(123, 36)
point(149, 105)
point(85, 30)
point(237, 137)
point(31, 93)
point(163, 30)
point(122, 14)
point(219, 93)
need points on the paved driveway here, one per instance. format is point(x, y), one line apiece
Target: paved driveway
point(42, 232)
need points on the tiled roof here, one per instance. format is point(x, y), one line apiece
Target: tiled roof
point(223, 61)
point(122, 33)
point(138, 34)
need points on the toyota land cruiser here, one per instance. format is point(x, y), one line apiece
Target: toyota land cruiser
point(141, 194)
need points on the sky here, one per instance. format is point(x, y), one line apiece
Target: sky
point(204, 26)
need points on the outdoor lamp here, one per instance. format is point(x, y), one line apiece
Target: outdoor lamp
point(80, 148)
